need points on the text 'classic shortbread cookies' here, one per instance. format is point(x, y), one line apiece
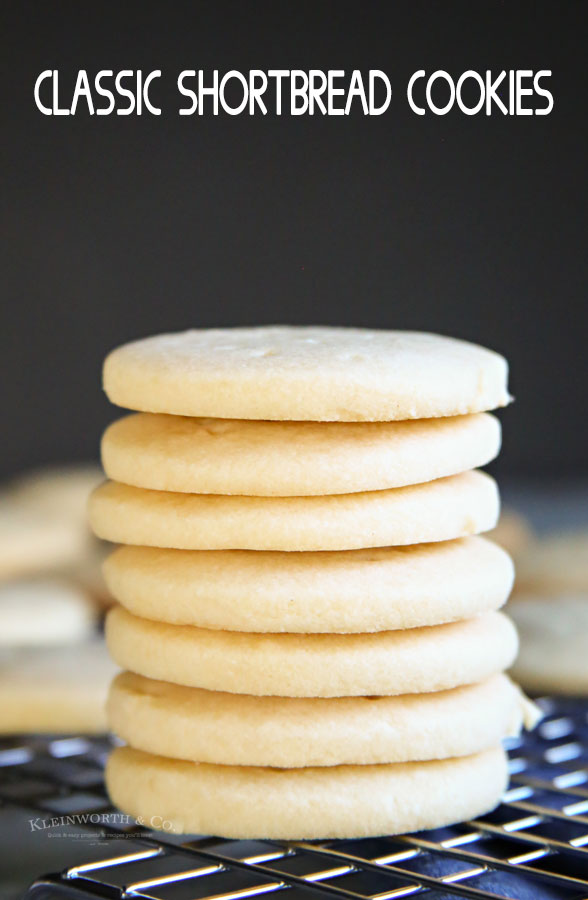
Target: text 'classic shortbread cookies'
point(307, 613)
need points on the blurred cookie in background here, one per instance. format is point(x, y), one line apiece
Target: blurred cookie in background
point(554, 564)
point(550, 608)
point(513, 532)
point(553, 654)
point(55, 689)
point(43, 528)
point(33, 542)
point(43, 611)
point(58, 491)
point(54, 668)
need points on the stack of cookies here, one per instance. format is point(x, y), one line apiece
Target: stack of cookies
point(308, 624)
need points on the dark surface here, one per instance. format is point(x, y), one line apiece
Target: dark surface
point(534, 846)
point(113, 228)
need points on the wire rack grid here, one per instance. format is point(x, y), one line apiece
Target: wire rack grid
point(534, 846)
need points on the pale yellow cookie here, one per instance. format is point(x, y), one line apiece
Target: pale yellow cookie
point(306, 373)
point(436, 511)
point(330, 591)
point(289, 459)
point(307, 803)
point(241, 730)
point(56, 689)
point(553, 657)
point(555, 564)
point(314, 665)
point(41, 611)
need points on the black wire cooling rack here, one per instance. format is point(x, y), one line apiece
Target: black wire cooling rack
point(534, 846)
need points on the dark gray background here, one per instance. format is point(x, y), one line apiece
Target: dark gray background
point(117, 227)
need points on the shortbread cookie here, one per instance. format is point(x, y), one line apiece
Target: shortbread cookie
point(57, 689)
point(306, 373)
point(337, 591)
point(241, 730)
point(289, 459)
point(555, 564)
point(513, 532)
point(436, 511)
point(36, 612)
point(314, 665)
point(297, 804)
point(554, 643)
point(32, 542)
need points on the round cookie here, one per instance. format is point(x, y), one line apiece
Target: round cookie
point(436, 511)
point(553, 656)
point(55, 689)
point(289, 732)
point(307, 803)
point(329, 591)
point(37, 612)
point(289, 459)
point(306, 373)
point(314, 665)
point(32, 542)
point(555, 564)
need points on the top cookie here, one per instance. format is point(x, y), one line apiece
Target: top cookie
point(306, 373)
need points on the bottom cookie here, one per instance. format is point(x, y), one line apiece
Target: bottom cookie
point(307, 803)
